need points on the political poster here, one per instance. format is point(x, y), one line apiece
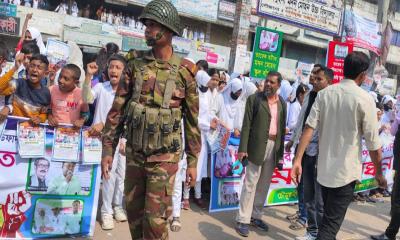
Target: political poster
point(337, 52)
point(226, 186)
point(91, 148)
point(66, 144)
point(218, 138)
point(319, 15)
point(40, 198)
point(362, 32)
point(31, 140)
point(266, 52)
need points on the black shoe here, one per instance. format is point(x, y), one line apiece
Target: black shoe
point(260, 224)
point(380, 237)
point(242, 229)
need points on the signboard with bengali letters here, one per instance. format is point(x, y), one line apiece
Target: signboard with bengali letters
point(317, 15)
point(9, 25)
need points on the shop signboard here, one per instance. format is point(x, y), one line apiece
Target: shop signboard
point(317, 15)
point(9, 25)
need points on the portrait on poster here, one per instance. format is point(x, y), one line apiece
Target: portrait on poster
point(57, 216)
point(66, 144)
point(31, 140)
point(227, 164)
point(229, 192)
point(269, 41)
point(59, 178)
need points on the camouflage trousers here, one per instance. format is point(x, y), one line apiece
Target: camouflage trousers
point(148, 191)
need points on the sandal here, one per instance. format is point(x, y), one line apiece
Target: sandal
point(176, 224)
point(297, 225)
point(293, 217)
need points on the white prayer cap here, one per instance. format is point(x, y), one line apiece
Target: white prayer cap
point(387, 98)
point(202, 78)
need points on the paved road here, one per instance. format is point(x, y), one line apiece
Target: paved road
point(361, 221)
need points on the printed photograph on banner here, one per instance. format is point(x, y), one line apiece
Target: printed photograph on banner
point(229, 192)
point(91, 148)
point(341, 51)
point(269, 41)
point(57, 216)
point(59, 178)
point(66, 144)
point(227, 163)
point(31, 140)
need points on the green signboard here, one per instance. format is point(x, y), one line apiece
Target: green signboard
point(8, 10)
point(266, 52)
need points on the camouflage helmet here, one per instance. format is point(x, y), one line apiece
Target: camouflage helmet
point(164, 13)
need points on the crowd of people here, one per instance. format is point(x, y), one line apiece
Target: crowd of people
point(95, 95)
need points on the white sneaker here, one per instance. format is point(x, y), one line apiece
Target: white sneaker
point(120, 215)
point(306, 237)
point(107, 222)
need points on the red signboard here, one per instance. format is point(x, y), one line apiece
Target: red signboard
point(337, 52)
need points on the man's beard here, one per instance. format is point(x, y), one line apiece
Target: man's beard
point(269, 93)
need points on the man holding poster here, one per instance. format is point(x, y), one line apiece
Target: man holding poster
point(262, 142)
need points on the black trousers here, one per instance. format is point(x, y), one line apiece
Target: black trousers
point(336, 202)
point(393, 228)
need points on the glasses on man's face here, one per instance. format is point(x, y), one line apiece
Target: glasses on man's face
point(42, 165)
point(40, 67)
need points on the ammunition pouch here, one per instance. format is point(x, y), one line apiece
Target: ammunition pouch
point(153, 130)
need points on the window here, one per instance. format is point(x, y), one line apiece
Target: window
point(395, 38)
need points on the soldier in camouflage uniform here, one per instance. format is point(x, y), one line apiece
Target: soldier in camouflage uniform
point(147, 111)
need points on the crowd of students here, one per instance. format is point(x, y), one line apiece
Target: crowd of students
point(46, 94)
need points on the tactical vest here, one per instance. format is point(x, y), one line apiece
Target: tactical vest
point(153, 130)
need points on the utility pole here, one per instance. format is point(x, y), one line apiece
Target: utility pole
point(241, 27)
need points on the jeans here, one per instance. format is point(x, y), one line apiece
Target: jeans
point(393, 228)
point(336, 202)
point(312, 195)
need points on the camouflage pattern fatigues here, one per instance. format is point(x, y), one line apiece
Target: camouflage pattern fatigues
point(150, 179)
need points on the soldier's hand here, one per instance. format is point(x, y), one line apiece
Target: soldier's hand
point(106, 165)
point(191, 175)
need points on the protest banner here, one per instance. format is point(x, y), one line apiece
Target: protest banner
point(318, 15)
point(226, 186)
point(40, 198)
point(362, 32)
point(337, 52)
point(266, 52)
